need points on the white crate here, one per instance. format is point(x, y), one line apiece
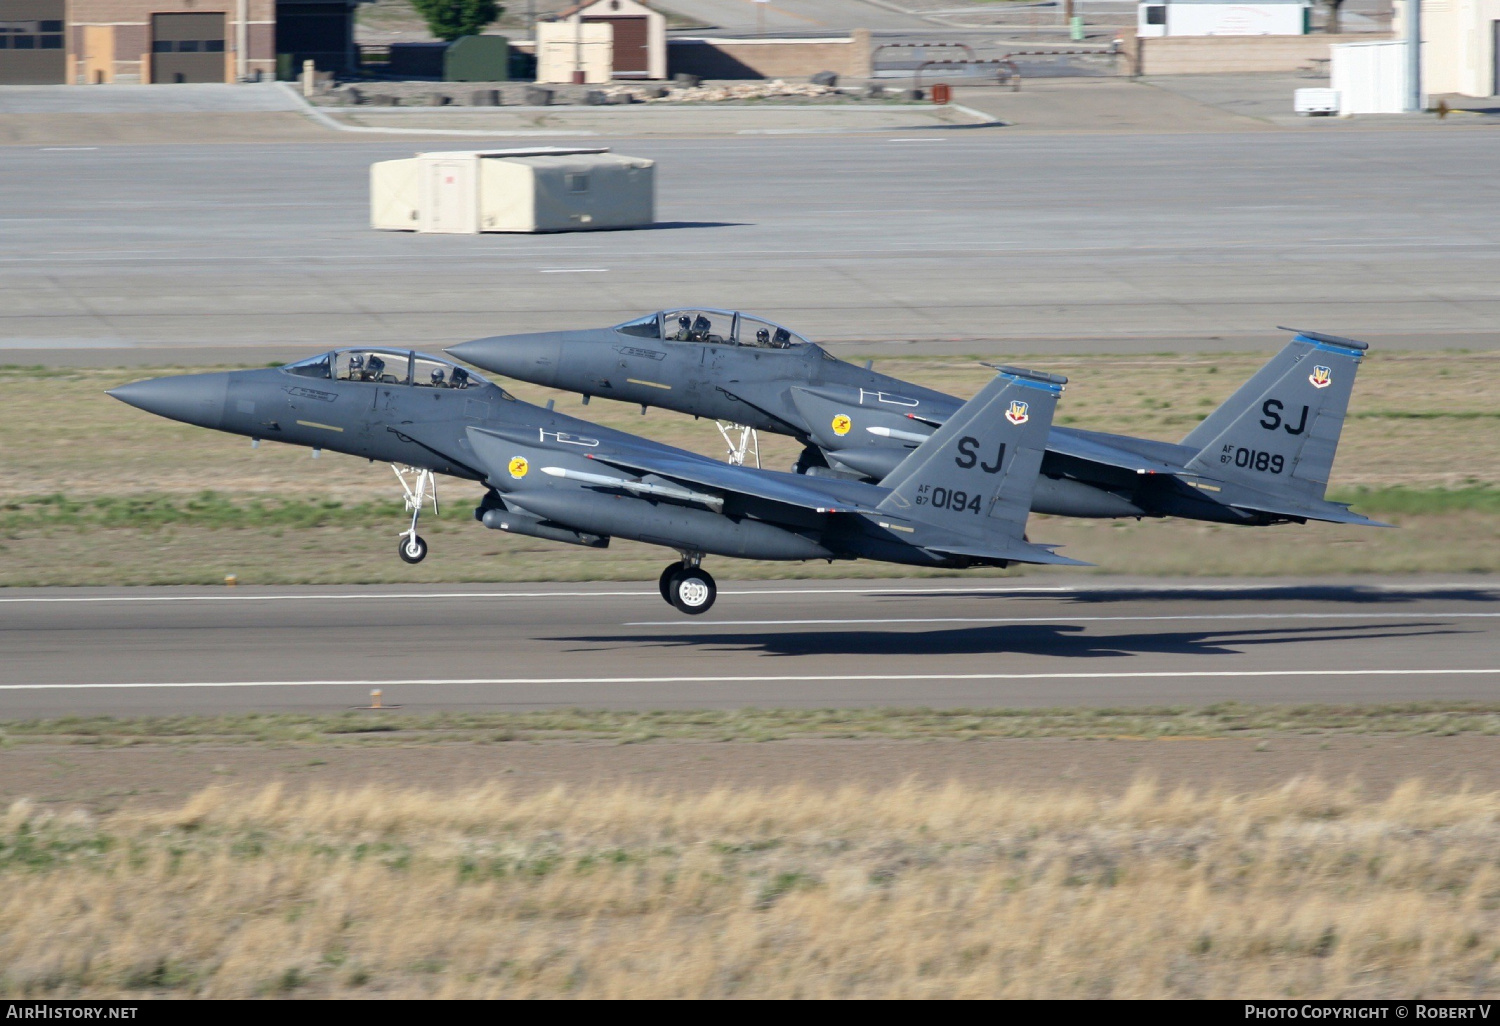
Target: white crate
point(542, 189)
point(1315, 101)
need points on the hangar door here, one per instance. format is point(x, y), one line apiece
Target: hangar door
point(632, 56)
point(31, 42)
point(188, 48)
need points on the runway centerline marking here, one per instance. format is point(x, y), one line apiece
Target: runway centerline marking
point(753, 679)
point(1057, 619)
point(884, 589)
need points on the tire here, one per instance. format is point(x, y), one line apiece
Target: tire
point(413, 549)
point(694, 591)
point(672, 570)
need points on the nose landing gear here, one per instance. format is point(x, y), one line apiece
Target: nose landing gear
point(413, 548)
point(688, 586)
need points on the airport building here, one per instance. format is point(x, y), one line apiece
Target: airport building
point(97, 42)
point(1460, 46)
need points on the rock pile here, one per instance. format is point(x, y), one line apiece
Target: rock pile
point(716, 93)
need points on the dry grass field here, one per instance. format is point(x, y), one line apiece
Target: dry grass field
point(1302, 890)
point(98, 493)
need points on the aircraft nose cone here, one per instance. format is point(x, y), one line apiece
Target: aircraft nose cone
point(533, 358)
point(191, 398)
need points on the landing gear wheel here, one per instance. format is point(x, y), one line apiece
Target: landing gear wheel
point(672, 570)
point(413, 549)
point(693, 590)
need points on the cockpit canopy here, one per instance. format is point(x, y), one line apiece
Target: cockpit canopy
point(714, 327)
point(387, 367)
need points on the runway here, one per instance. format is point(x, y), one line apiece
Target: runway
point(796, 643)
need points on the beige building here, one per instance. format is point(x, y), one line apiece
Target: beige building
point(98, 42)
point(1460, 45)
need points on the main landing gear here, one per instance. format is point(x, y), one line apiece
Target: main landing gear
point(421, 487)
point(746, 447)
point(688, 586)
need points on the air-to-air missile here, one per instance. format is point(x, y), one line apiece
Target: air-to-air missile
point(1263, 457)
point(959, 499)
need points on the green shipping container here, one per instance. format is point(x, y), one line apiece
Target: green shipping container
point(477, 59)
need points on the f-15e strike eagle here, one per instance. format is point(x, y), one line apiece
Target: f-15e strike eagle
point(1263, 457)
point(959, 499)
point(927, 480)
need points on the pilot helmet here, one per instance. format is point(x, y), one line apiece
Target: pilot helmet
point(437, 375)
point(763, 336)
point(684, 321)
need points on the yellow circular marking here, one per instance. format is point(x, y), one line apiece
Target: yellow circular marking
point(518, 467)
point(842, 424)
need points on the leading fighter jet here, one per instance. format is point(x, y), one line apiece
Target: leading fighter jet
point(960, 499)
point(1263, 457)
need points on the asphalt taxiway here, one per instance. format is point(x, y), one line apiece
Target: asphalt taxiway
point(910, 242)
point(938, 643)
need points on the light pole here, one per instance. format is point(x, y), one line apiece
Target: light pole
point(1413, 55)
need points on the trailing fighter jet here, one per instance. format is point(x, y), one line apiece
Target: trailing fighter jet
point(959, 499)
point(1263, 457)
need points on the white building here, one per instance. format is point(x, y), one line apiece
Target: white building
point(1223, 18)
point(1460, 45)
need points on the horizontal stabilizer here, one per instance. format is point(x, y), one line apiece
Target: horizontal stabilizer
point(1329, 512)
point(1018, 552)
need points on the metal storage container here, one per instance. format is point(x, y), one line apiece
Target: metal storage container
point(477, 59)
point(544, 189)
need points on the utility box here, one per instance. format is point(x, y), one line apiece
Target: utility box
point(1310, 102)
point(1370, 77)
point(477, 59)
point(544, 189)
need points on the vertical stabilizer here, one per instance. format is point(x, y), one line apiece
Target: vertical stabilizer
point(1279, 437)
point(968, 487)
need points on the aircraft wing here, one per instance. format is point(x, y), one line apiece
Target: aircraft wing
point(760, 484)
point(1084, 447)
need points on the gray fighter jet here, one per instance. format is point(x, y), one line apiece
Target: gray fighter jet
point(960, 499)
point(1263, 457)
